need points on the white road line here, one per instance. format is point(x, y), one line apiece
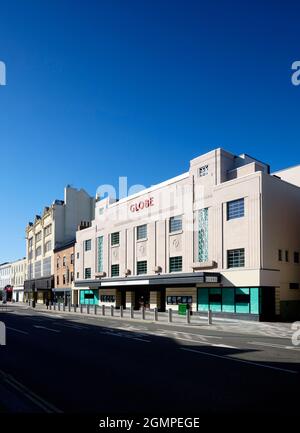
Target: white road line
point(239, 360)
point(277, 346)
point(224, 345)
point(190, 333)
point(44, 327)
point(37, 400)
point(17, 330)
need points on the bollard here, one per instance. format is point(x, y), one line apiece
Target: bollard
point(131, 313)
point(121, 311)
point(88, 309)
point(143, 313)
point(74, 308)
point(50, 307)
point(95, 310)
point(103, 310)
point(170, 315)
point(64, 307)
point(80, 308)
point(188, 316)
point(54, 306)
point(155, 314)
point(69, 307)
point(209, 317)
point(111, 310)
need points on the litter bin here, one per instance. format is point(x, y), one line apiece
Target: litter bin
point(182, 309)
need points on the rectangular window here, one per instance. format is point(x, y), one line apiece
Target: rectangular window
point(141, 267)
point(87, 273)
point(72, 259)
point(88, 245)
point(175, 300)
point(235, 209)
point(38, 251)
point(141, 232)
point(30, 242)
point(280, 255)
point(294, 285)
point(286, 256)
point(57, 280)
point(107, 298)
point(64, 261)
point(115, 238)
point(64, 279)
point(72, 276)
point(77, 255)
point(236, 258)
point(47, 266)
point(115, 270)
point(203, 235)
point(296, 257)
point(48, 246)
point(176, 264)
point(100, 254)
point(38, 236)
point(203, 171)
point(77, 275)
point(175, 224)
point(48, 230)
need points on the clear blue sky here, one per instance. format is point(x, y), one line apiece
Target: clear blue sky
point(102, 89)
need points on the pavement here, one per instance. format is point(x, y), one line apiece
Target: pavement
point(63, 362)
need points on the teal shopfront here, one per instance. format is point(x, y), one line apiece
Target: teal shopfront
point(230, 300)
point(89, 297)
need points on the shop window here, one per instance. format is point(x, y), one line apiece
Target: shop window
point(242, 300)
point(294, 285)
point(107, 298)
point(286, 256)
point(280, 255)
point(296, 257)
point(175, 300)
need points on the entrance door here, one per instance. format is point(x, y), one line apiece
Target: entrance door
point(142, 298)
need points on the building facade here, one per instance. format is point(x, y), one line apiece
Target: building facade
point(223, 236)
point(18, 275)
point(64, 258)
point(55, 227)
point(5, 281)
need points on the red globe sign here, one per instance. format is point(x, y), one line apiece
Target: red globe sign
point(143, 204)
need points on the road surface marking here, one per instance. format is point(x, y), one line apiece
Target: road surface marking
point(44, 327)
point(71, 326)
point(277, 346)
point(190, 333)
point(17, 330)
point(239, 360)
point(122, 335)
point(224, 345)
point(39, 401)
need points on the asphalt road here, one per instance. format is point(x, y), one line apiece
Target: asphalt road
point(59, 363)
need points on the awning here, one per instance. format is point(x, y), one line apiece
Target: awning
point(164, 280)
